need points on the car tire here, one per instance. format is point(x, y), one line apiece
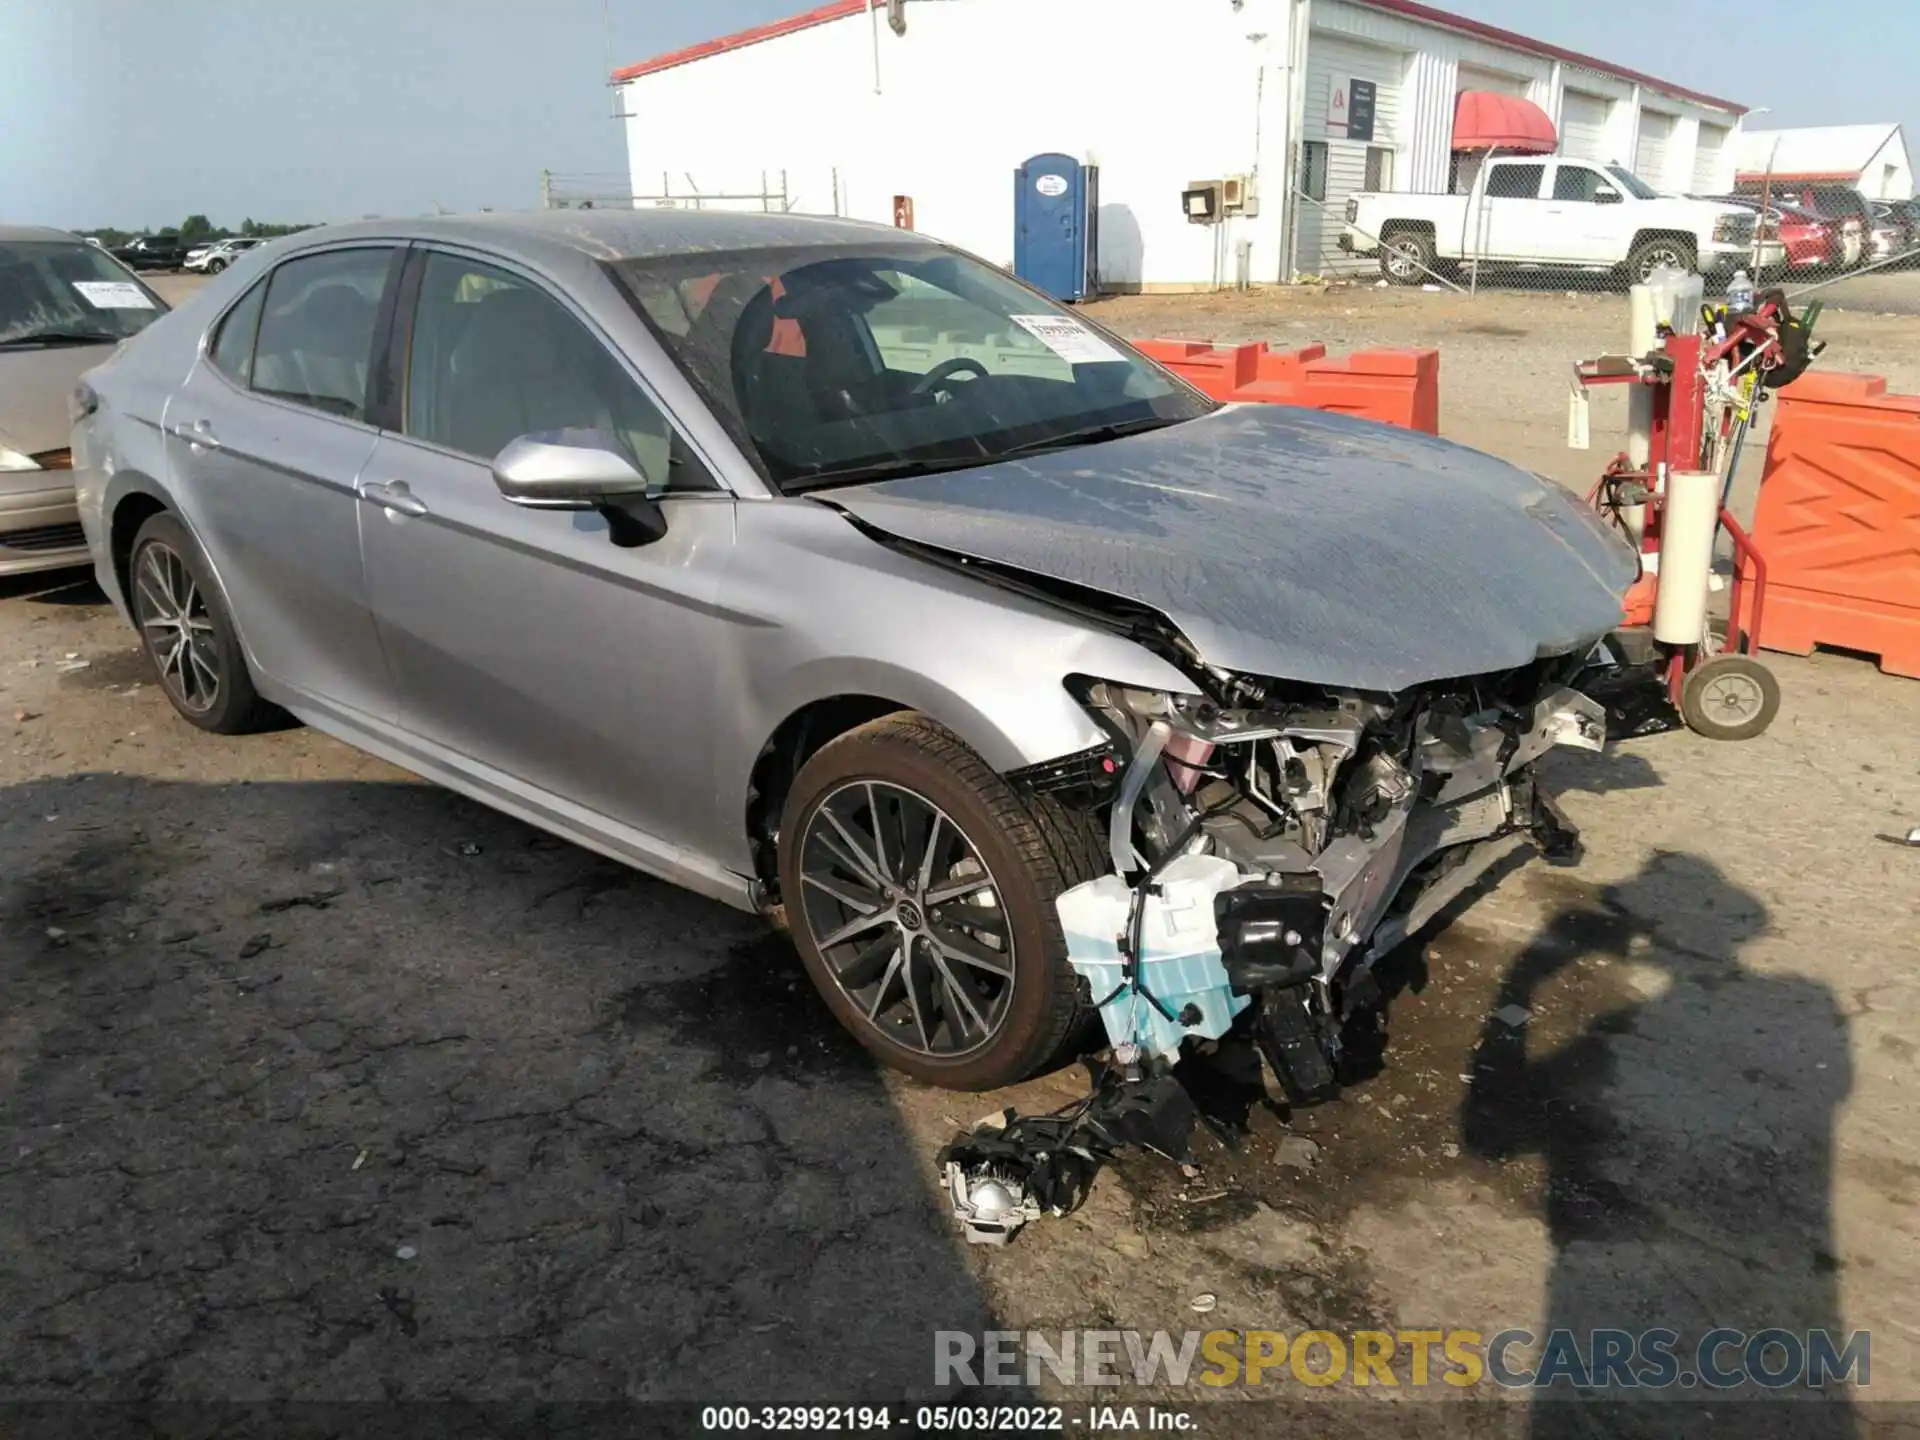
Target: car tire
point(214, 267)
point(969, 932)
point(1406, 257)
point(188, 634)
point(1648, 255)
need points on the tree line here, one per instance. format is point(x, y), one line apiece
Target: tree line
point(196, 230)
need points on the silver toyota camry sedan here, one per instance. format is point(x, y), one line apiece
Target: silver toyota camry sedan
point(821, 568)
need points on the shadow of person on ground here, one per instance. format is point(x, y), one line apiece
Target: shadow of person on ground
point(1687, 1137)
point(354, 1091)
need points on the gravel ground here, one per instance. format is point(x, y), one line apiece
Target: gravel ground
point(320, 1082)
point(1506, 356)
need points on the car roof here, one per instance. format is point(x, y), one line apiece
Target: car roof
point(619, 234)
point(37, 232)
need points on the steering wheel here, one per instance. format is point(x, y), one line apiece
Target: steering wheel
point(936, 378)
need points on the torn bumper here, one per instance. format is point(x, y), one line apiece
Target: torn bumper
point(1385, 834)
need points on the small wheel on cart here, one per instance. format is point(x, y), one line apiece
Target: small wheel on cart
point(1730, 697)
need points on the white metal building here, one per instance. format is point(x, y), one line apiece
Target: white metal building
point(1871, 158)
point(850, 105)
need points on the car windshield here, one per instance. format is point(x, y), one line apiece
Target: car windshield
point(835, 365)
point(60, 292)
point(1632, 183)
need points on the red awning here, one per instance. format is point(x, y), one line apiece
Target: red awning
point(1486, 120)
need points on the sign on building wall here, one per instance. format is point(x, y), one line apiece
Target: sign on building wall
point(1350, 109)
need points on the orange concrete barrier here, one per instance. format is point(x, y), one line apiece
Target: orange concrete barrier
point(1398, 387)
point(1839, 520)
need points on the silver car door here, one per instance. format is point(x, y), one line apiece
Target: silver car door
point(266, 440)
point(525, 641)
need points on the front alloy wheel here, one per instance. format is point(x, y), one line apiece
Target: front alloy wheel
point(907, 918)
point(1652, 255)
point(919, 889)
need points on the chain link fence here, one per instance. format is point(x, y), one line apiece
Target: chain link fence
point(586, 190)
point(1855, 253)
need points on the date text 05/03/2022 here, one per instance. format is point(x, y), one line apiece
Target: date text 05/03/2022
point(945, 1419)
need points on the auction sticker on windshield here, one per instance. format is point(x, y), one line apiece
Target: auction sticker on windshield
point(1067, 338)
point(113, 294)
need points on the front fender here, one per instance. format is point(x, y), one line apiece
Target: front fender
point(1007, 733)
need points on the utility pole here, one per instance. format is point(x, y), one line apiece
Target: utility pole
point(546, 189)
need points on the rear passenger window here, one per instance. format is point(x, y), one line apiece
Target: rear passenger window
point(1515, 182)
point(232, 351)
point(494, 357)
point(316, 332)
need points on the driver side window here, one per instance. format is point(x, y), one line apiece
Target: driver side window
point(493, 357)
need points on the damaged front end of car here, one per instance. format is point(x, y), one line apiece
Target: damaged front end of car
point(1335, 825)
point(1268, 842)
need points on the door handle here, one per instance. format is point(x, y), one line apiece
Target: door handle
point(199, 435)
point(396, 497)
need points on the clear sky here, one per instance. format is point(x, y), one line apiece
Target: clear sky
point(138, 112)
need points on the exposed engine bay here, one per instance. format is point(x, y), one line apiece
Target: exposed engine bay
point(1269, 842)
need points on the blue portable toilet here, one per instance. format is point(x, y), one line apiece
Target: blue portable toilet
point(1056, 202)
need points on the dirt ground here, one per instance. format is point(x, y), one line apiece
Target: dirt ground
point(1506, 356)
point(320, 1082)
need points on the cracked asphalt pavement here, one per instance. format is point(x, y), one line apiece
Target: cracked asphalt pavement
point(348, 1088)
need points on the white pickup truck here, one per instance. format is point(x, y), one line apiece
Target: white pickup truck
point(1542, 212)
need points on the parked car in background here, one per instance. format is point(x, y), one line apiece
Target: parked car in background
point(151, 252)
point(1842, 204)
point(1893, 229)
point(813, 564)
point(216, 255)
point(1546, 213)
point(64, 305)
point(1811, 241)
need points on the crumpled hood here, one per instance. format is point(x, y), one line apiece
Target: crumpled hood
point(34, 385)
point(1291, 543)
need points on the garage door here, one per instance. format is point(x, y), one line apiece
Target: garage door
point(1472, 77)
point(1708, 178)
point(1650, 155)
point(1583, 126)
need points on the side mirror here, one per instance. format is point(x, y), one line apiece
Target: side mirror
point(580, 470)
point(1606, 195)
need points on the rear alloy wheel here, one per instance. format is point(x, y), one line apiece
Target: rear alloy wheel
point(1406, 257)
point(919, 890)
point(187, 633)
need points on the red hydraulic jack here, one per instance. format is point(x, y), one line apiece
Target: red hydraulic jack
point(1705, 387)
